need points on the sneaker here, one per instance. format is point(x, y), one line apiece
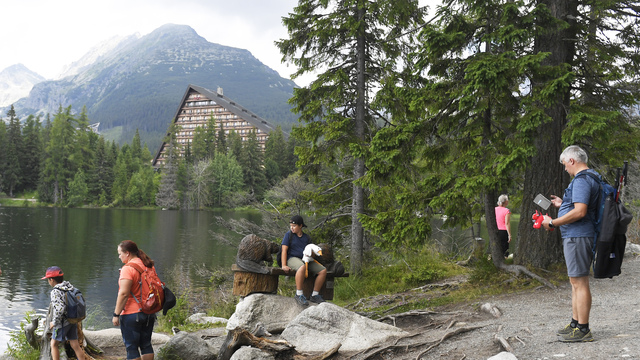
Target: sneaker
point(565, 330)
point(576, 336)
point(302, 300)
point(316, 299)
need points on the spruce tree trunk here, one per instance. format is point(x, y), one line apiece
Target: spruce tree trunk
point(545, 174)
point(357, 232)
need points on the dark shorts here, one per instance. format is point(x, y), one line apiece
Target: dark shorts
point(136, 332)
point(578, 255)
point(69, 332)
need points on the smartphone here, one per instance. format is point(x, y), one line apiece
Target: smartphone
point(542, 201)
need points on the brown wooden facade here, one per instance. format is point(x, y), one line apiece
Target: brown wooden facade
point(196, 108)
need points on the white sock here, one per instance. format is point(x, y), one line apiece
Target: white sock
point(299, 292)
point(314, 293)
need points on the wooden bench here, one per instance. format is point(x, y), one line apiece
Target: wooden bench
point(246, 283)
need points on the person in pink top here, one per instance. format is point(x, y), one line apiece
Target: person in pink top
point(503, 220)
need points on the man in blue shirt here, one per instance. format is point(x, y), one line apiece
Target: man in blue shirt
point(576, 215)
point(293, 245)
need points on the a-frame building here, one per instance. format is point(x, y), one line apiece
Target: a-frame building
point(196, 108)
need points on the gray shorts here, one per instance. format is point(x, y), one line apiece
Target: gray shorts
point(295, 263)
point(578, 255)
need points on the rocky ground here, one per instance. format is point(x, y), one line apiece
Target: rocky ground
point(527, 324)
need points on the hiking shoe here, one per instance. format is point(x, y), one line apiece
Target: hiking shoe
point(576, 336)
point(565, 330)
point(316, 299)
point(302, 300)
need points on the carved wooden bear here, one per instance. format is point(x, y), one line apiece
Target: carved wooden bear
point(253, 252)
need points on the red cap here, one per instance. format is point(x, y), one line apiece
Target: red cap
point(52, 272)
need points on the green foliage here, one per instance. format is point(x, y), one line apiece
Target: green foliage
point(18, 346)
point(176, 316)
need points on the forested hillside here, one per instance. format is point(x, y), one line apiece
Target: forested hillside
point(138, 85)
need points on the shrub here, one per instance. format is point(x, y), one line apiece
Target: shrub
point(18, 346)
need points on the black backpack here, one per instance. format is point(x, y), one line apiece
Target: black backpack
point(611, 222)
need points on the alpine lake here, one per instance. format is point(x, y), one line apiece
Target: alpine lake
point(83, 242)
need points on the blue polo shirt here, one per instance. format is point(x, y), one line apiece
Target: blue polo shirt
point(582, 189)
point(296, 244)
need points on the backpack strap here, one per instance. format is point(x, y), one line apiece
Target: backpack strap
point(137, 267)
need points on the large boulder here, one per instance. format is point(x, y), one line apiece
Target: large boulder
point(320, 328)
point(251, 353)
point(273, 311)
point(113, 338)
point(184, 345)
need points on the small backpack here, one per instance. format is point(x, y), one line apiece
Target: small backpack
point(151, 296)
point(76, 308)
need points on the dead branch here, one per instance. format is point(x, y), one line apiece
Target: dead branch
point(446, 336)
point(240, 337)
point(323, 356)
point(504, 343)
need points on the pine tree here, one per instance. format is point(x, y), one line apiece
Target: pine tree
point(59, 167)
point(32, 154)
point(251, 160)
point(358, 45)
point(3, 154)
point(12, 168)
point(168, 195)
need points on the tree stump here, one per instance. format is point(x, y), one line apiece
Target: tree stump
point(246, 283)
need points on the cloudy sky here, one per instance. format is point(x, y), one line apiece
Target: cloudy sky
point(46, 35)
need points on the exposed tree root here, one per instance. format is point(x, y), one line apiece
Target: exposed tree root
point(519, 269)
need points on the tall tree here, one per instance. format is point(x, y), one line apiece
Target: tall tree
point(357, 44)
point(3, 154)
point(32, 154)
point(12, 168)
point(275, 156)
point(227, 175)
point(61, 154)
point(251, 160)
point(586, 84)
point(168, 195)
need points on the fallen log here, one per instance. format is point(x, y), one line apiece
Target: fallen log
point(239, 337)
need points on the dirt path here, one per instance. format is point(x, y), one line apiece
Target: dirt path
point(529, 322)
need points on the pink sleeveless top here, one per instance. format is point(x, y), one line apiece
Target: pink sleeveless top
point(501, 213)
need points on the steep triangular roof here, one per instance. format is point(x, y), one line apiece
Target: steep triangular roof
point(230, 105)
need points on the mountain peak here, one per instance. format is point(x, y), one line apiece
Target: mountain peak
point(16, 82)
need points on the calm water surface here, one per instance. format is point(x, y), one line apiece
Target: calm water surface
point(83, 243)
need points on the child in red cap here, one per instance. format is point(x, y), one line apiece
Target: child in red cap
point(61, 329)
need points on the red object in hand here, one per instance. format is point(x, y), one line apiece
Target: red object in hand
point(537, 219)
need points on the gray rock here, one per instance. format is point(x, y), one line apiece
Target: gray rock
point(187, 346)
point(113, 338)
point(320, 328)
point(202, 318)
point(273, 311)
point(251, 353)
point(503, 356)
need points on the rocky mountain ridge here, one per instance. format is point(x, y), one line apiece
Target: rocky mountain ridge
point(139, 81)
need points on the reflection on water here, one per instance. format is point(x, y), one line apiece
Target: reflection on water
point(83, 243)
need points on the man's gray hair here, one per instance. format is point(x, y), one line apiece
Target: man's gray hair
point(574, 152)
point(502, 199)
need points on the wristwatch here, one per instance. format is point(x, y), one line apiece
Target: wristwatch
point(551, 223)
point(115, 315)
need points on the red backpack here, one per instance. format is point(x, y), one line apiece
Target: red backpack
point(151, 294)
